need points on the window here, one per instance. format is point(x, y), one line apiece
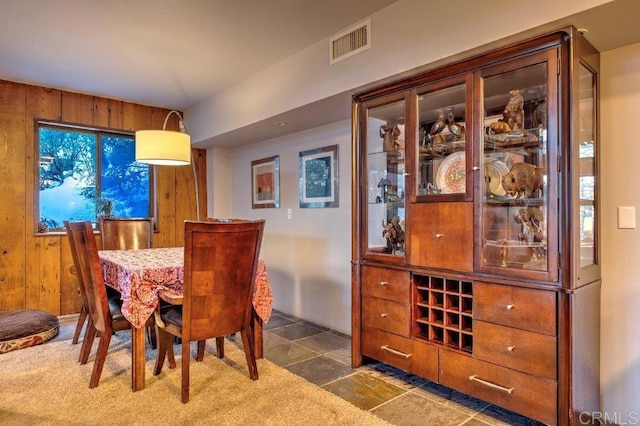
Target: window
point(85, 174)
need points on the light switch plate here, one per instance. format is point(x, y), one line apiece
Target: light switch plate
point(626, 217)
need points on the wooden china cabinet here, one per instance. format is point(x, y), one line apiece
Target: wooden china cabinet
point(476, 219)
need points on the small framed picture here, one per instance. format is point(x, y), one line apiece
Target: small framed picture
point(318, 177)
point(265, 183)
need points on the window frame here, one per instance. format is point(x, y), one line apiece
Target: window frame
point(99, 133)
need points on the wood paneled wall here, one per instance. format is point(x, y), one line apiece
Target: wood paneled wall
point(35, 270)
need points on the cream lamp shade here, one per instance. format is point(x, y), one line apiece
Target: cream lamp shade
point(163, 147)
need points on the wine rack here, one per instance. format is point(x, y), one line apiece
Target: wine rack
point(443, 311)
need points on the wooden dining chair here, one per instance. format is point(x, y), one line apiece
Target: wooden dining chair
point(112, 294)
point(125, 233)
point(220, 262)
point(119, 233)
point(105, 316)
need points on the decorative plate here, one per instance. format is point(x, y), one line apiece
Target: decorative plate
point(494, 170)
point(451, 175)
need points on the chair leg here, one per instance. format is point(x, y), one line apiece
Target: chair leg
point(249, 352)
point(87, 342)
point(81, 319)
point(163, 338)
point(185, 371)
point(171, 356)
point(201, 345)
point(220, 346)
point(151, 336)
point(101, 355)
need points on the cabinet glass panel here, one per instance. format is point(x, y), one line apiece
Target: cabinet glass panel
point(587, 155)
point(385, 179)
point(441, 142)
point(515, 196)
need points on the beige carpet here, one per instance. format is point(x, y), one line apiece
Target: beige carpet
point(46, 385)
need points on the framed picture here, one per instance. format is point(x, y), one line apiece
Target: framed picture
point(265, 183)
point(318, 183)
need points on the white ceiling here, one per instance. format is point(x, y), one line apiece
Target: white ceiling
point(177, 53)
point(168, 53)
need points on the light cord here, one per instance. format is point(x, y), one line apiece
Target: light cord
point(183, 129)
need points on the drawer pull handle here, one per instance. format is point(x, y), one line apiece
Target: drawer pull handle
point(383, 315)
point(393, 351)
point(475, 168)
point(438, 236)
point(384, 282)
point(510, 307)
point(510, 348)
point(491, 385)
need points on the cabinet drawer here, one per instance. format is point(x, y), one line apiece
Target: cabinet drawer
point(441, 235)
point(385, 283)
point(520, 350)
point(524, 308)
point(531, 396)
point(386, 315)
point(413, 356)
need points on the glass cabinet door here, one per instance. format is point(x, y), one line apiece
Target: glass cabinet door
point(385, 174)
point(515, 195)
point(442, 142)
point(587, 156)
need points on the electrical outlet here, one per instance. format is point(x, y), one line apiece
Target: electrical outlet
point(289, 214)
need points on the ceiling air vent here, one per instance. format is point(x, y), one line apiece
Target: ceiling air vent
point(349, 42)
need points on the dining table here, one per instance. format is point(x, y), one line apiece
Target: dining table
point(141, 274)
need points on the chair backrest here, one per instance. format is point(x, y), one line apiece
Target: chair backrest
point(125, 233)
point(220, 262)
point(89, 271)
point(76, 265)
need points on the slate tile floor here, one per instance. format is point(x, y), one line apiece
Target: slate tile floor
point(323, 357)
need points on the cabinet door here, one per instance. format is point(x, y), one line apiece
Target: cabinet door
point(383, 186)
point(585, 154)
point(440, 236)
point(443, 141)
point(518, 197)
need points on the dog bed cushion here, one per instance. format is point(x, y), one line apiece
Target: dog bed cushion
point(26, 327)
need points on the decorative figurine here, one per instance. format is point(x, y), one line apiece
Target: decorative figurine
point(523, 180)
point(530, 218)
point(540, 115)
point(514, 110)
point(439, 124)
point(394, 234)
point(431, 189)
point(530, 232)
point(500, 126)
point(385, 185)
point(389, 134)
point(423, 136)
point(455, 129)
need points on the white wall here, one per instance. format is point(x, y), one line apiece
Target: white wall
point(404, 35)
point(219, 178)
point(307, 257)
point(620, 156)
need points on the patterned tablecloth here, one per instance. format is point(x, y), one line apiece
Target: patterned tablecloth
point(140, 274)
